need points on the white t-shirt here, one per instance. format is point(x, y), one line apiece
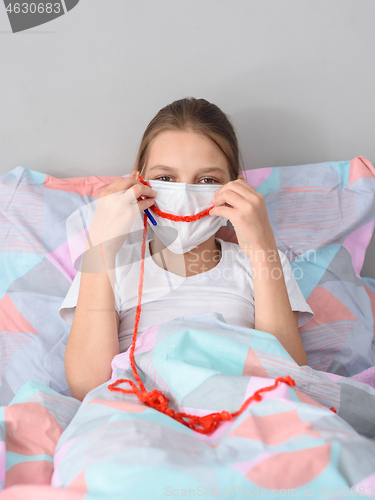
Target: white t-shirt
point(226, 289)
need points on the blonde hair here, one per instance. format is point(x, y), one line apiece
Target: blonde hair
point(196, 115)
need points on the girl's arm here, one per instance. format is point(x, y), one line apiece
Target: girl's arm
point(93, 339)
point(273, 312)
point(246, 209)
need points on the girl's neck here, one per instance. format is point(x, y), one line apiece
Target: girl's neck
point(200, 259)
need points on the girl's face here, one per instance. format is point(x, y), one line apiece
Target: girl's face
point(181, 156)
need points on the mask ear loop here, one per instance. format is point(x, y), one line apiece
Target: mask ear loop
point(156, 399)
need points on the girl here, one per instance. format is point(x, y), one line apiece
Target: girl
point(188, 154)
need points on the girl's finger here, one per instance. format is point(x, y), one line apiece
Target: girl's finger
point(240, 187)
point(231, 198)
point(225, 212)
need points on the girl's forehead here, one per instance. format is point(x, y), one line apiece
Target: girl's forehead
point(180, 151)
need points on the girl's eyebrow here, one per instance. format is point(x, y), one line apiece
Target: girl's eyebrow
point(204, 170)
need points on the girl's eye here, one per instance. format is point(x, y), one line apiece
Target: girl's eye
point(168, 177)
point(159, 178)
point(210, 178)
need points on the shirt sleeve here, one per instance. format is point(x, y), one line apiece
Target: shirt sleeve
point(296, 298)
point(68, 306)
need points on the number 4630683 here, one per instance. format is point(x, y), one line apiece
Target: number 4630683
point(32, 8)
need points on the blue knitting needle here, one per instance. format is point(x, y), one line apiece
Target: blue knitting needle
point(150, 217)
point(146, 211)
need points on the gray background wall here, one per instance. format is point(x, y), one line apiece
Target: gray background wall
point(296, 77)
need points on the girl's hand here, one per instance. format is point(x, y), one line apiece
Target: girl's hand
point(116, 211)
point(246, 209)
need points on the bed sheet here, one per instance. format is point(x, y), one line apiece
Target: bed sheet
point(111, 445)
point(39, 259)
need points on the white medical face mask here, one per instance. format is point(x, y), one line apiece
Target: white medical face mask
point(180, 198)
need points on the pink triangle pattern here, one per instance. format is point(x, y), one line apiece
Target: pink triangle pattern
point(79, 484)
point(356, 244)
point(257, 176)
point(252, 366)
point(326, 308)
point(325, 334)
point(360, 167)
point(274, 429)
point(15, 331)
point(85, 186)
point(65, 255)
point(11, 319)
point(291, 469)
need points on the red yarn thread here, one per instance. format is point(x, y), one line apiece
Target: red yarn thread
point(156, 399)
